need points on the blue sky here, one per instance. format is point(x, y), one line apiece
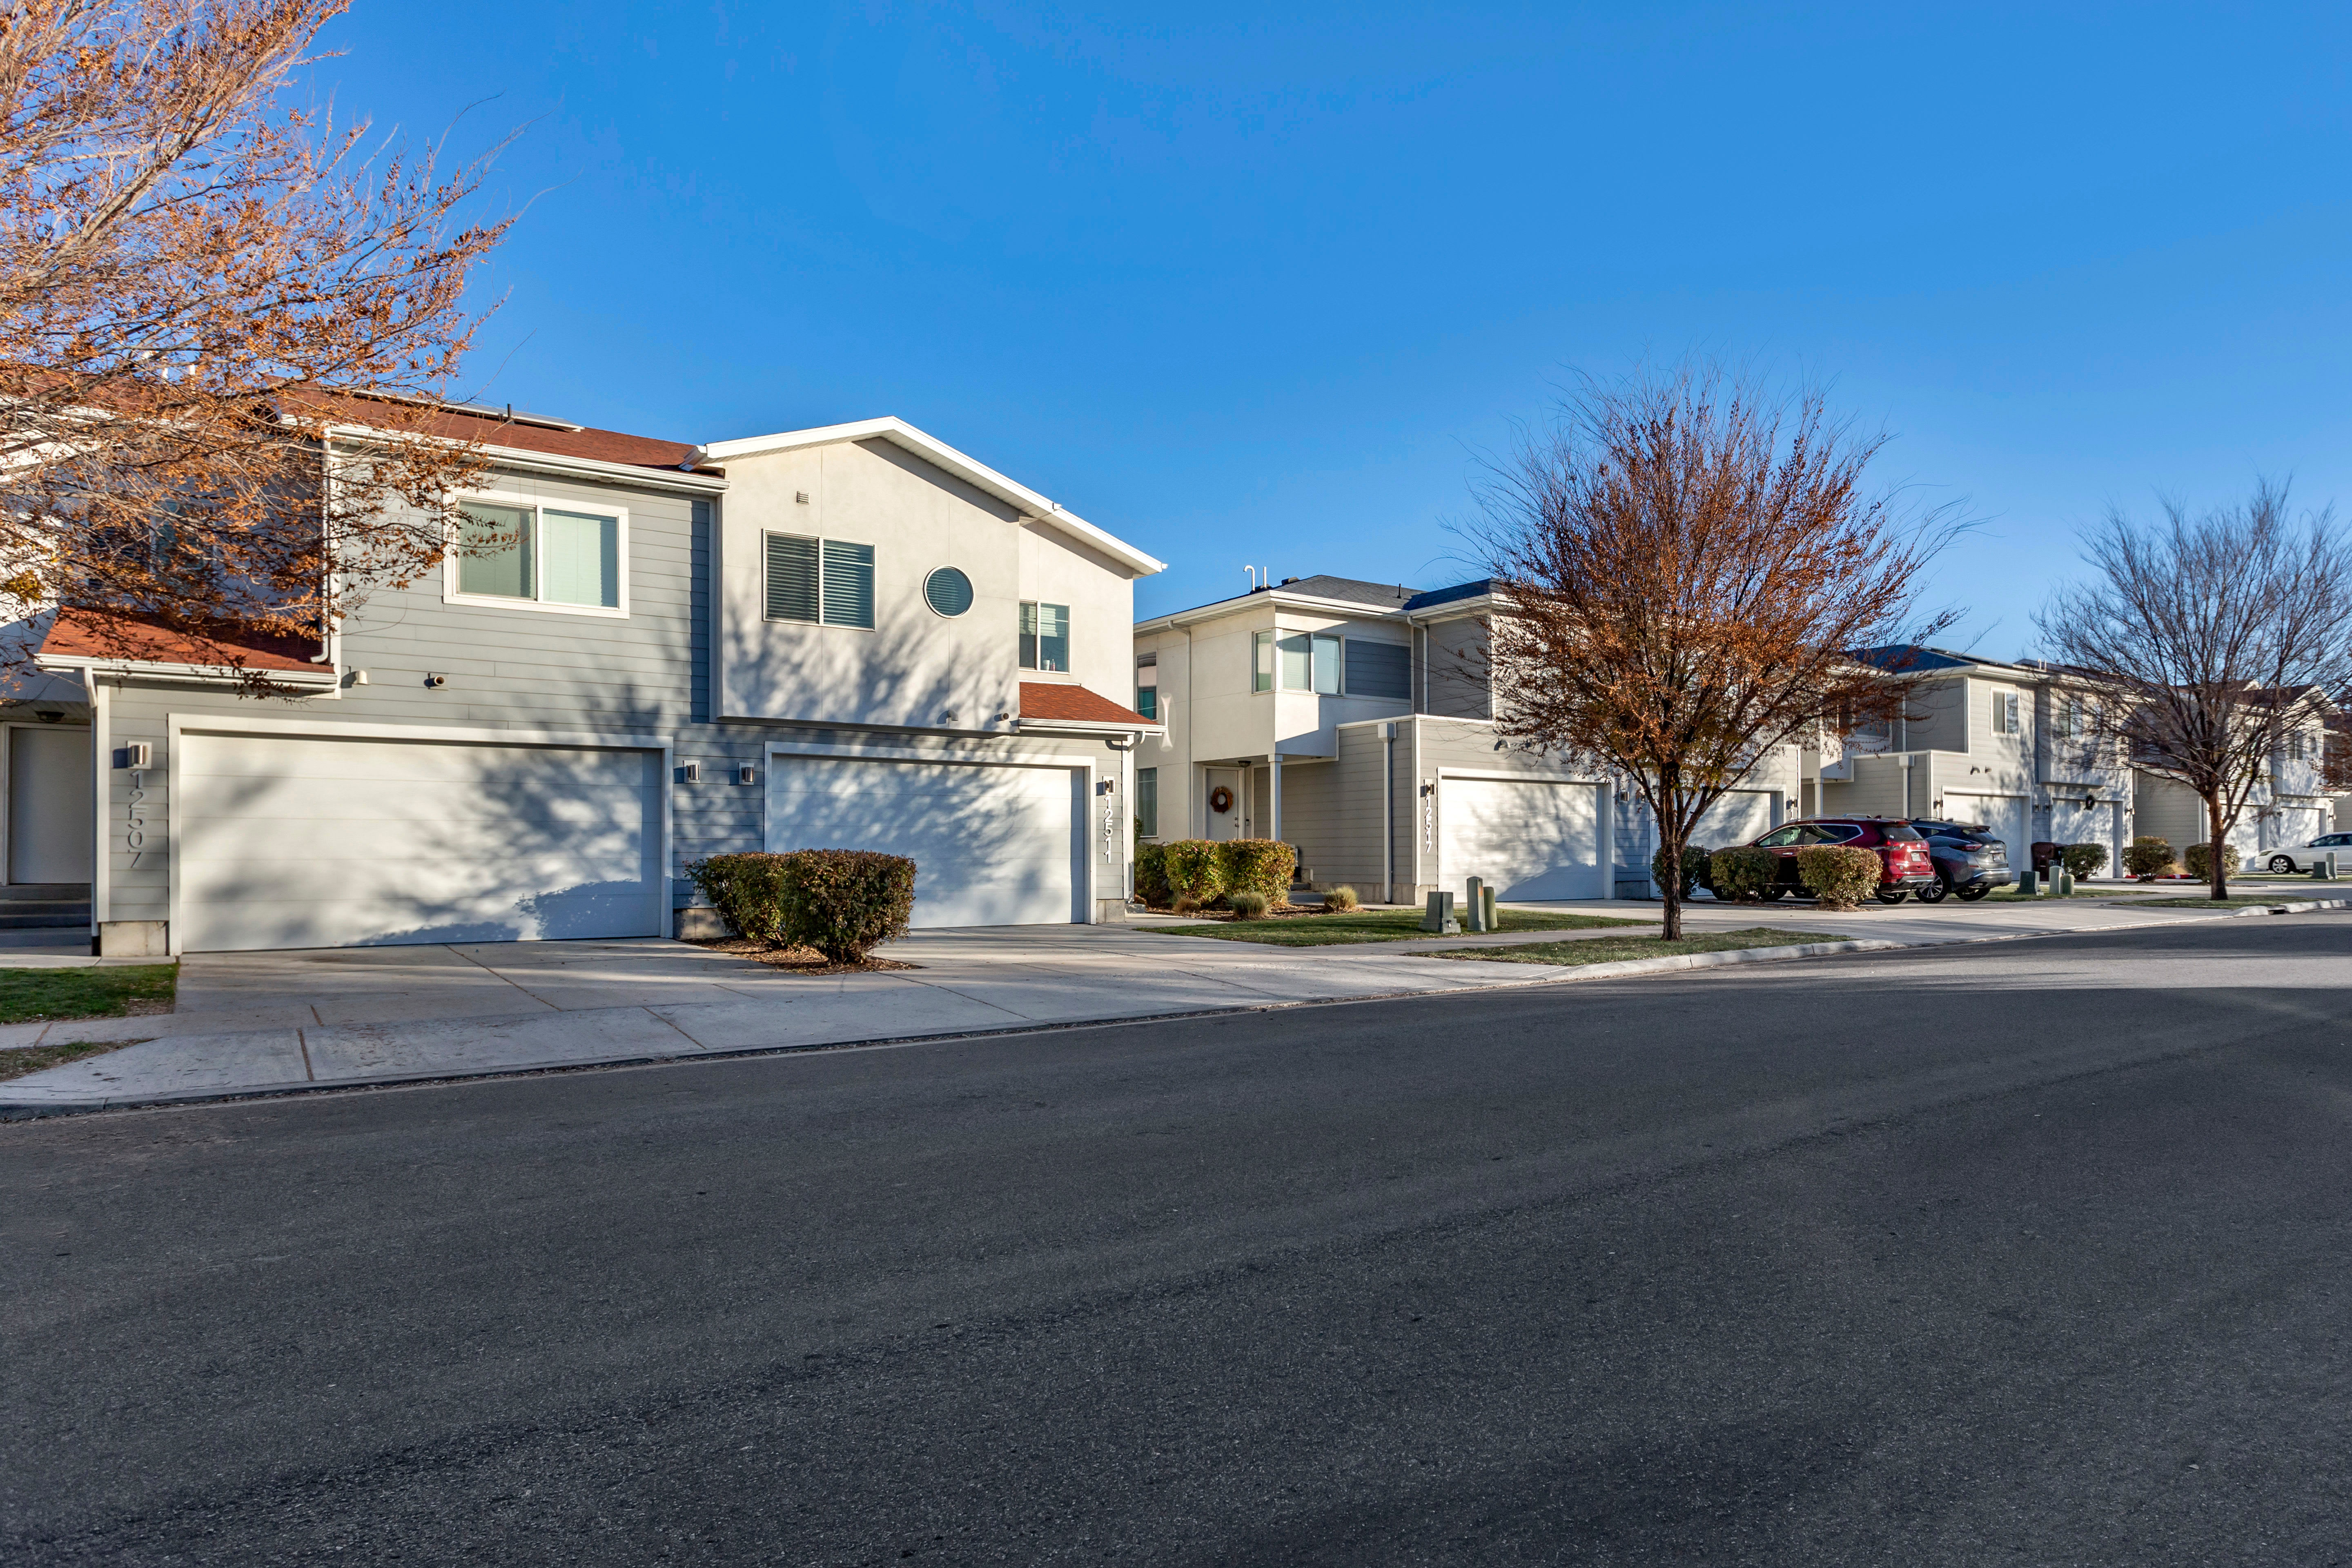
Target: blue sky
point(1253, 288)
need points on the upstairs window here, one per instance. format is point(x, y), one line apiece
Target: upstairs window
point(2295, 745)
point(1044, 637)
point(2004, 713)
point(1262, 661)
point(1147, 689)
point(1310, 662)
point(819, 582)
point(519, 552)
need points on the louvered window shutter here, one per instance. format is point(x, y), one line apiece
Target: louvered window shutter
point(791, 578)
point(848, 584)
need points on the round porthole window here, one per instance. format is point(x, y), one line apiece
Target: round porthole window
point(947, 591)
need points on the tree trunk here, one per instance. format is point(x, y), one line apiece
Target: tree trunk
point(1670, 841)
point(2214, 862)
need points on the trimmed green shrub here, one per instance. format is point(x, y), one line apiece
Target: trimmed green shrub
point(1261, 866)
point(842, 903)
point(1839, 875)
point(1194, 869)
point(1247, 905)
point(1341, 899)
point(2147, 857)
point(2198, 859)
point(1151, 874)
point(1694, 868)
point(2084, 859)
point(1740, 873)
point(748, 891)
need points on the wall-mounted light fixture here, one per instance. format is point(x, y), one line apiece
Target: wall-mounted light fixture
point(689, 773)
point(436, 681)
point(138, 754)
point(747, 773)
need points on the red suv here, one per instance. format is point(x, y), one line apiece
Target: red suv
point(1902, 852)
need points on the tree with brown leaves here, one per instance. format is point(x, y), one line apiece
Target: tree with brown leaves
point(1688, 564)
point(2219, 633)
point(195, 280)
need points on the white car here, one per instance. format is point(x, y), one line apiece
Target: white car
point(2302, 856)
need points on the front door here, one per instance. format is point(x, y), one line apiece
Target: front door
point(51, 799)
point(1222, 790)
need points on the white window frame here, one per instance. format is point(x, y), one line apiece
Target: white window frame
point(1069, 637)
point(2008, 713)
point(450, 563)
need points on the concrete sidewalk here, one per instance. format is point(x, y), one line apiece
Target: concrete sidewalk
point(272, 1022)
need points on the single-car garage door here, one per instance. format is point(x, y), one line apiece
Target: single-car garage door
point(304, 841)
point(1741, 817)
point(1525, 839)
point(2004, 813)
point(993, 844)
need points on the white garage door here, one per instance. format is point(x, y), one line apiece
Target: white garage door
point(295, 841)
point(2004, 813)
point(1524, 839)
point(992, 845)
point(1741, 816)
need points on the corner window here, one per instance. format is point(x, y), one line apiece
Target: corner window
point(523, 554)
point(1147, 801)
point(1262, 661)
point(819, 582)
point(1310, 662)
point(1044, 637)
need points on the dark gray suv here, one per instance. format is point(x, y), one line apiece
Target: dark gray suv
point(1969, 861)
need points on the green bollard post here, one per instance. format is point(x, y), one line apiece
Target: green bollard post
point(1493, 922)
point(2065, 883)
point(2028, 886)
point(1474, 906)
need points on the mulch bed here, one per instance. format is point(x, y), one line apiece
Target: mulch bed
point(796, 960)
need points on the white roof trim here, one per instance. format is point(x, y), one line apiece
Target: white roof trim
point(899, 433)
point(1275, 596)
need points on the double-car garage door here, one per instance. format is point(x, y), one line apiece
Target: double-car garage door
point(307, 841)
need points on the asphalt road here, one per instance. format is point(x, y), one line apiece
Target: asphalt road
point(2039, 1252)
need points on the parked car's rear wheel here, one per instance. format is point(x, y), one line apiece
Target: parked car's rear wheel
point(1971, 895)
point(1892, 895)
point(2282, 862)
point(1773, 892)
point(1935, 891)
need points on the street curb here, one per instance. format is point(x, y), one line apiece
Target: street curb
point(35, 1110)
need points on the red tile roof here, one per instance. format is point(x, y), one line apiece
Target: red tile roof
point(1046, 700)
point(604, 446)
point(99, 634)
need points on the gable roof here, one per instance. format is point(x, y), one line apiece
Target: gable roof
point(938, 454)
point(1349, 590)
point(1436, 596)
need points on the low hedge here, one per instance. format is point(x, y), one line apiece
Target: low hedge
point(2147, 857)
point(1694, 868)
point(1151, 874)
point(2084, 859)
point(1194, 870)
point(842, 903)
point(1839, 875)
point(2198, 859)
point(1202, 870)
point(1740, 873)
point(1260, 866)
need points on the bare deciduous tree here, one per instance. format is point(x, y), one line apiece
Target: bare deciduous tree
point(193, 277)
point(1688, 564)
point(2219, 632)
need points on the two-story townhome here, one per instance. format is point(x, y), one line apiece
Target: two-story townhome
point(2287, 805)
point(1355, 720)
point(2013, 745)
point(853, 637)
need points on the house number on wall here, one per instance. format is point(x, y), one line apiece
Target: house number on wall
point(134, 821)
point(1110, 825)
point(1429, 819)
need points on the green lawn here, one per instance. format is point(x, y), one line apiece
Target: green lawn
point(1610, 949)
point(31, 996)
point(1371, 925)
